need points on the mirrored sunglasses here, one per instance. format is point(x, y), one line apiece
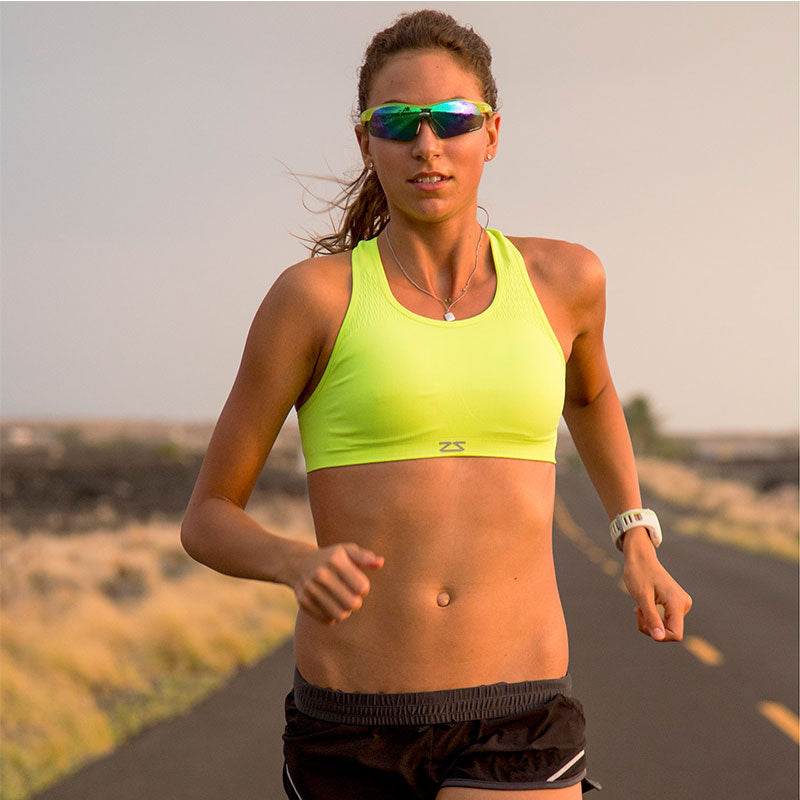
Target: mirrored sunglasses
point(401, 122)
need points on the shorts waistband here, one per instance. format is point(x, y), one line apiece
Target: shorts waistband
point(426, 708)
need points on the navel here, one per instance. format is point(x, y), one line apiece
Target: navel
point(443, 599)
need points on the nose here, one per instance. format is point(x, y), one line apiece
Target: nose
point(426, 143)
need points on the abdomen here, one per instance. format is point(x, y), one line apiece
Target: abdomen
point(467, 594)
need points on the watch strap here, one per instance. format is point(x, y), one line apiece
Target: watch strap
point(636, 517)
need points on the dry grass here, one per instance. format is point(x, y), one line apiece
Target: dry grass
point(104, 633)
point(726, 511)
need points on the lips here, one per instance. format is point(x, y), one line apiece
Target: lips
point(429, 179)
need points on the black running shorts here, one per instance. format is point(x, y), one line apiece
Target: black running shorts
point(407, 746)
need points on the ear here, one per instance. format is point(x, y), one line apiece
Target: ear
point(492, 135)
point(363, 143)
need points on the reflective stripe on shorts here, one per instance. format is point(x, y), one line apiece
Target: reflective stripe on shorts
point(288, 783)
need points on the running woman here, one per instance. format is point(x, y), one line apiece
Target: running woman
point(430, 359)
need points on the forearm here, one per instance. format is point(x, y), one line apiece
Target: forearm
point(221, 535)
point(601, 438)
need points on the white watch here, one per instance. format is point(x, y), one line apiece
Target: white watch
point(635, 518)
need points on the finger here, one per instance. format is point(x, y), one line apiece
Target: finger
point(315, 608)
point(348, 572)
point(332, 608)
point(345, 597)
point(650, 622)
point(676, 610)
point(640, 622)
point(349, 561)
point(362, 557)
point(674, 625)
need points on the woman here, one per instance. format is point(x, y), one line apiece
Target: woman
point(429, 360)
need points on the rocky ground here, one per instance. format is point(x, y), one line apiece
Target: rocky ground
point(63, 477)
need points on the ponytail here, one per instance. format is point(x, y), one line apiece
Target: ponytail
point(365, 215)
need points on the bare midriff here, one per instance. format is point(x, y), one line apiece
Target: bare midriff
point(467, 594)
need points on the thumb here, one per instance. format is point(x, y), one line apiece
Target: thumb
point(649, 619)
point(362, 557)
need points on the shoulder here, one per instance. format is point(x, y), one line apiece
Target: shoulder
point(570, 281)
point(311, 280)
point(570, 269)
point(309, 289)
point(300, 308)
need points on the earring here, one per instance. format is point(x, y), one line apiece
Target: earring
point(489, 156)
point(368, 165)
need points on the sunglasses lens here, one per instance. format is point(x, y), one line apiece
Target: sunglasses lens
point(401, 123)
point(456, 117)
point(395, 122)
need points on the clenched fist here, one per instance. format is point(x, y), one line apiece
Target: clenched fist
point(331, 583)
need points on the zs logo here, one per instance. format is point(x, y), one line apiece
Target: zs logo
point(452, 447)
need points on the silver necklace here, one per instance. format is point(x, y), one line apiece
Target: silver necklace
point(448, 303)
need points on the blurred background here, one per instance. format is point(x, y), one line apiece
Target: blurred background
point(149, 200)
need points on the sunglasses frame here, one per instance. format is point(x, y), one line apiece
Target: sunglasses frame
point(423, 112)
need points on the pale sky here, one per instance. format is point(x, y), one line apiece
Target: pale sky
point(146, 208)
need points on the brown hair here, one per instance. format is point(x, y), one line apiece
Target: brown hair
point(362, 200)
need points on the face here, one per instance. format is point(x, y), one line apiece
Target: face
point(423, 78)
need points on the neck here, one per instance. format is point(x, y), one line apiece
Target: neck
point(440, 257)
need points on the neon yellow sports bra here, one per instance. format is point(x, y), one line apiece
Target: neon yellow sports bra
point(399, 385)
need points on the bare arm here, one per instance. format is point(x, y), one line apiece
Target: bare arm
point(592, 409)
point(596, 421)
point(278, 361)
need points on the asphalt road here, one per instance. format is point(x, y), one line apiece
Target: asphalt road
point(682, 721)
point(665, 721)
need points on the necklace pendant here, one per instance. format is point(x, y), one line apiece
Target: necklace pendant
point(449, 316)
